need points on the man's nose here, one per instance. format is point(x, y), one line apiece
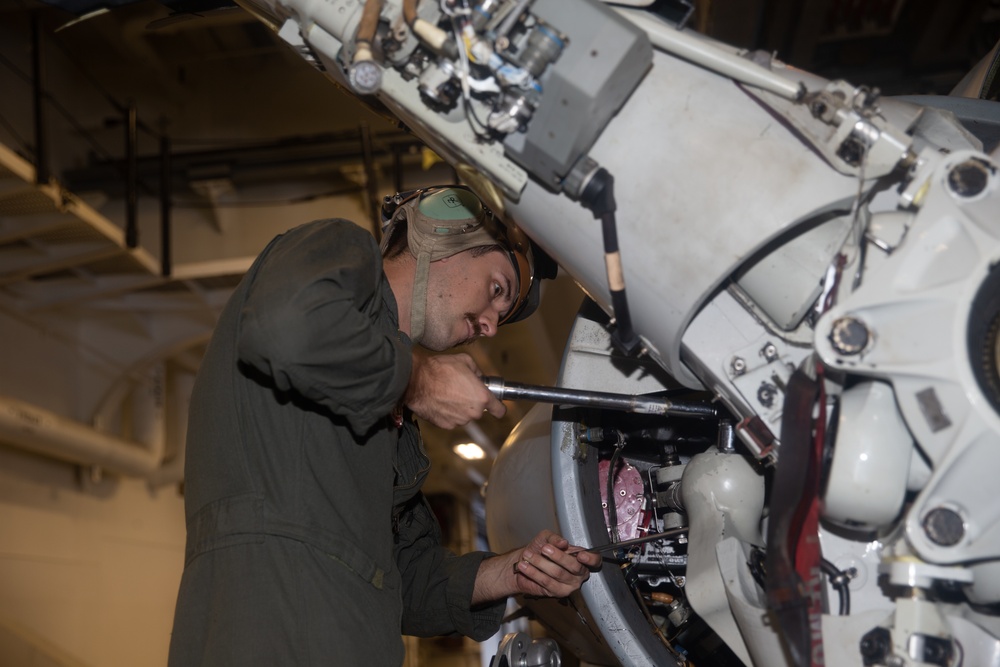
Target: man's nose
point(488, 323)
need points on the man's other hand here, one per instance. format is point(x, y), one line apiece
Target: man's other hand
point(447, 390)
point(548, 566)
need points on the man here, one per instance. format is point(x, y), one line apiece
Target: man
point(308, 540)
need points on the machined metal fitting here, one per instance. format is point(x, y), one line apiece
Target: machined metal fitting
point(849, 335)
point(944, 527)
point(969, 178)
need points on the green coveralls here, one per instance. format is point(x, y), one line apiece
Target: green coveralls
point(308, 542)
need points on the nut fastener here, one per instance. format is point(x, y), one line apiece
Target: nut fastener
point(849, 335)
point(875, 646)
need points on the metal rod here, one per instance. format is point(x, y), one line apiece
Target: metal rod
point(166, 195)
point(646, 405)
point(38, 99)
point(131, 178)
point(633, 542)
point(706, 54)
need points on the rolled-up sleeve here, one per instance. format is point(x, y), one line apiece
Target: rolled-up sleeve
point(308, 322)
point(437, 584)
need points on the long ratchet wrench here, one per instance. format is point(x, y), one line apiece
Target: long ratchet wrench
point(637, 403)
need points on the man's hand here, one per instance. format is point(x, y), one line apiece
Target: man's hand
point(547, 567)
point(447, 390)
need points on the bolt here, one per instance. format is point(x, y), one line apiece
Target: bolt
point(874, 646)
point(766, 394)
point(944, 526)
point(770, 352)
point(969, 178)
point(849, 335)
point(738, 365)
point(852, 151)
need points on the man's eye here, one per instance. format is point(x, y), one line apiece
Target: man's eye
point(497, 289)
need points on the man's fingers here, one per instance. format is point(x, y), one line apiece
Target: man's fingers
point(467, 361)
point(558, 565)
point(550, 578)
point(495, 407)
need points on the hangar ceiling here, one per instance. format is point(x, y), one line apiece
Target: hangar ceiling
point(243, 118)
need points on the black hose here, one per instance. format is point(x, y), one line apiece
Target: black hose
point(599, 197)
point(841, 581)
point(612, 507)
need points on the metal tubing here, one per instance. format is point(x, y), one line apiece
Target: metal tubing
point(511, 18)
point(166, 195)
point(624, 544)
point(38, 99)
point(131, 172)
point(703, 53)
point(646, 405)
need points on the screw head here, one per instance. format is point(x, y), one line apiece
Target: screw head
point(739, 365)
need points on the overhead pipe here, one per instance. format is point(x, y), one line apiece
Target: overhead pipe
point(149, 410)
point(131, 177)
point(166, 195)
point(38, 101)
point(43, 432)
point(172, 471)
point(145, 390)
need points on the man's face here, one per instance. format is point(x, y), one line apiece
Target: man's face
point(466, 297)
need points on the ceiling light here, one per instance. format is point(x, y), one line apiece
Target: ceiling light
point(469, 451)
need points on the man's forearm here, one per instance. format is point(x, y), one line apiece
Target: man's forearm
point(496, 579)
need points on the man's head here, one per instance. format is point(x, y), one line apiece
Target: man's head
point(474, 255)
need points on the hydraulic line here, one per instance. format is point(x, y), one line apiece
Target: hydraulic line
point(369, 22)
point(428, 33)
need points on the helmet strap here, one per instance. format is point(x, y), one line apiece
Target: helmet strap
point(418, 301)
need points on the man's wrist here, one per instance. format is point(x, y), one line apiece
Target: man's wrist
point(496, 579)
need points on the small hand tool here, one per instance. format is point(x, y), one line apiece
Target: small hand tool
point(631, 543)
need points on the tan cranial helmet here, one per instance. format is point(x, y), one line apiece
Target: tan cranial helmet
point(446, 220)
